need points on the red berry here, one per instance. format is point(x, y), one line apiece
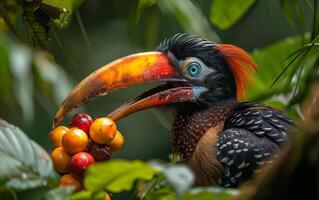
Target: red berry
point(100, 152)
point(80, 162)
point(82, 121)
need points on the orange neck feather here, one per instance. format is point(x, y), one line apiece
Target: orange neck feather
point(240, 63)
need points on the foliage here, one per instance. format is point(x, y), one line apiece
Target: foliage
point(180, 10)
point(225, 14)
point(26, 74)
point(58, 194)
point(26, 166)
point(36, 17)
point(120, 175)
point(29, 75)
point(154, 180)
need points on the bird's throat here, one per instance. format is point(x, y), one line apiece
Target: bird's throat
point(191, 124)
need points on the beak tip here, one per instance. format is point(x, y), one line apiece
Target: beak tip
point(58, 117)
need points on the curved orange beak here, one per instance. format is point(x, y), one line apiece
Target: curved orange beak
point(121, 73)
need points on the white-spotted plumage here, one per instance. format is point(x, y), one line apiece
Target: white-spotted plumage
point(252, 135)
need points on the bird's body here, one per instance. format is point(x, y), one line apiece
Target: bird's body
point(226, 143)
point(222, 139)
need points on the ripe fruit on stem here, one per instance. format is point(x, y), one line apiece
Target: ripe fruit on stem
point(82, 121)
point(74, 141)
point(100, 152)
point(61, 160)
point(117, 141)
point(69, 180)
point(103, 130)
point(80, 162)
point(57, 134)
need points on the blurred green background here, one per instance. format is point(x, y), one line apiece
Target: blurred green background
point(100, 31)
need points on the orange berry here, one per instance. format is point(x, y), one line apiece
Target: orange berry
point(57, 134)
point(103, 130)
point(69, 180)
point(74, 141)
point(117, 141)
point(61, 160)
point(107, 197)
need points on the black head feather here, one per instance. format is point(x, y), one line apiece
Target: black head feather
point(221, 84)
point(183, 45)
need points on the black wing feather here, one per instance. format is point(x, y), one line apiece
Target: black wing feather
point(251, 137)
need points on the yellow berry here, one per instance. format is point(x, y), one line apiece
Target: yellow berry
point(57, 134)
point(61, 160)
point(103, 130)
point(74, 141)
point(117, 141)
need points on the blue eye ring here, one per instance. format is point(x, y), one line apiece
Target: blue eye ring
point(193, 69)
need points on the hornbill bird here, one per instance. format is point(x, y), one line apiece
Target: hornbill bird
point(222, 139)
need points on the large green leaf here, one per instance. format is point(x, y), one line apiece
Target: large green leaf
point(225, 13)
point(117, 175)
point(24, 164)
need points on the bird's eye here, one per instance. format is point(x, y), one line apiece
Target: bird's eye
point(193, 69)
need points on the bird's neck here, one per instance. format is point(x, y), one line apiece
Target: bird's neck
point(192, 122)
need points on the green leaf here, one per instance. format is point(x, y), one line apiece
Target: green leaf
point(179, 176)
point(193, 22)
point(225, 13)
point(24, 164)
point(65, 9)
point(60, 193)
point(69, 5)
point(212, 193)
point(88, 195)
point(270, 62)
point(117, 175)
point(161, 194)
point(158, 189)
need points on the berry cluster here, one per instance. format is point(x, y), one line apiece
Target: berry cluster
point(78, 147)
